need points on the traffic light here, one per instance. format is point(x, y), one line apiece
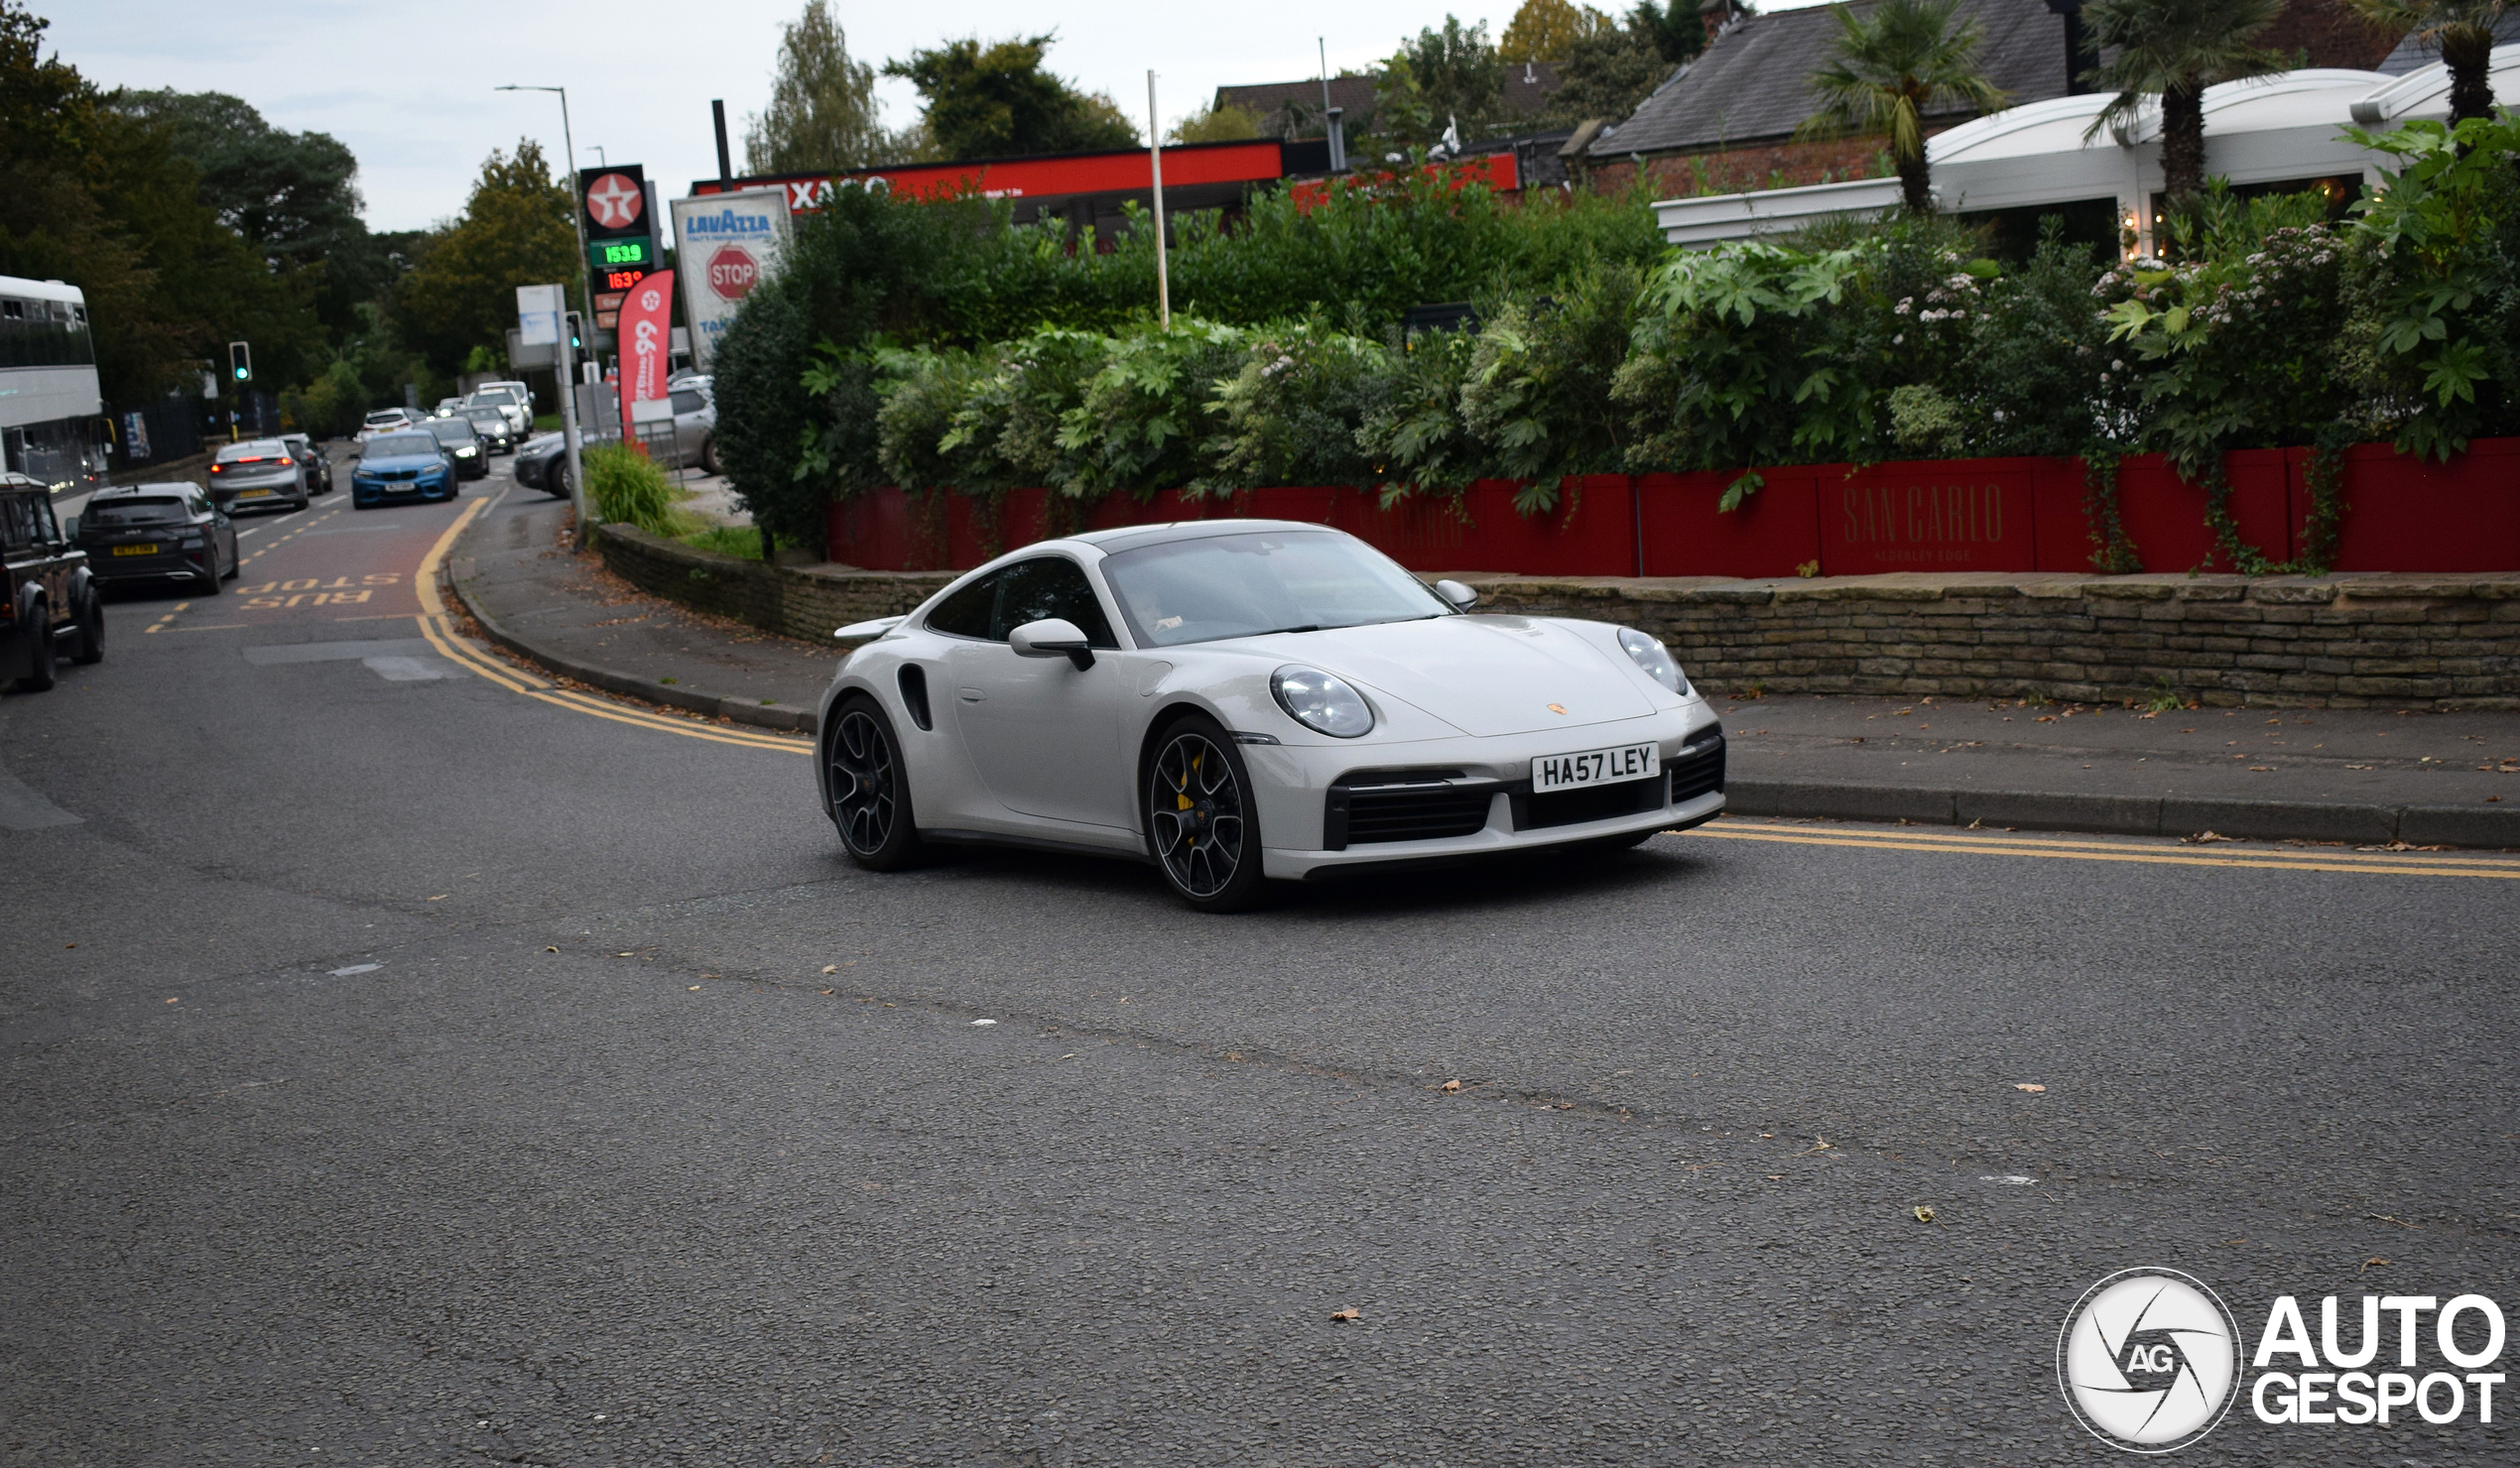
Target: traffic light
point(240, 362)
point(577, 336)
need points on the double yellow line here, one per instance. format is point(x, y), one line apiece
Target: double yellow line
point(439, 628)
point(2123, 849)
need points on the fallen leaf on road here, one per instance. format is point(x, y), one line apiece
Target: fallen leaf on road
point(831, 968)
point(549, 950)
point(439, 898)
point(2371, 1263)
point(1924, 1214)
point(2033, 1087)
point(1450, 1086)
point(69, 945)
point(696, 989)
point(984, 1022)
point(2202, 838)
point(174, 1001)
point(2044, 718)
point(1343, 1314)
point(826, 991)
point(2261, 769)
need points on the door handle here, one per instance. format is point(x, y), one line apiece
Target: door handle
point(971, 696)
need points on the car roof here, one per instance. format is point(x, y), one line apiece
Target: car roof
point(1132, 537)
point(131, 491)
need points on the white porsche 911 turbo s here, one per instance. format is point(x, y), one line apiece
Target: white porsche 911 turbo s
point(1239, 701)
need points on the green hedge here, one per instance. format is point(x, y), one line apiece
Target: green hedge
point(935, 346)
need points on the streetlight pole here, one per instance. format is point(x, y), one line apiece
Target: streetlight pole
point(568, 387)
point(1155, 158)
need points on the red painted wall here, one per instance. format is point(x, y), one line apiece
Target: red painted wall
point(1960, 514)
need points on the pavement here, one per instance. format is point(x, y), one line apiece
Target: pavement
point(403, 1060)
point(2356, 776)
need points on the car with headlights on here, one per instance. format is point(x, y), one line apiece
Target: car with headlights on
point(257, 474)
point(402, 468)
point(462, 443)
point(1239, 701)
point(513, 399)
point(158, 532)
point(492, 426)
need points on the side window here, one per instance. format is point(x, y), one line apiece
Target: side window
point(41, 509)
point(687, 401)
point(1049, 586)
point(17, 526)
point(966, 612)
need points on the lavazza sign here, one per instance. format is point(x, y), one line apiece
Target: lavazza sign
point(735, 240)
point(2151, 1360)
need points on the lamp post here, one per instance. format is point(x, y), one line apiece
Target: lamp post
point(568, 371)
point(1155, 158)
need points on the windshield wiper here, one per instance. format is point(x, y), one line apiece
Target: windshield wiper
point(1274, 631)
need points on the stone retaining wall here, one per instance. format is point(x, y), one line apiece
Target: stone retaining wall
point(2342, 641)
point(2338, 642)
point(806, 602)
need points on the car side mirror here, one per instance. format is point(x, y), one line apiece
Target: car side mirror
point(70, 528)
point(1052, 637)
point(1462, 597)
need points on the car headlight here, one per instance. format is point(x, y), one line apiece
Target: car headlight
point(1653, 657)
point(1321, 701)
point(464, 452)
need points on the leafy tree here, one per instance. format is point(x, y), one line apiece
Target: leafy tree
point(292, 197)
point(104, 201)
point(1675, 29)
point(1606, 75)
point(1226, 124)
point(2462, 30)
point(1891, 65)
point(1438, 79)
point(822, 115)
point(2176, 48)
point(1550, 30)
point(996, 100)
point(515, 232)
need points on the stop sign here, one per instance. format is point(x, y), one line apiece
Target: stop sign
point(732, 273)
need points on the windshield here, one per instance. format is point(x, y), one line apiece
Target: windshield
point(259, 449)
point(1191, 591)
point(452, 430)
point(397, 445)
point(130, 514)
point(487, 417)
point(491, 396)
point(385, 419)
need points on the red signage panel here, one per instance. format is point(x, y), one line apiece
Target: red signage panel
point(647, 338)
point(1122, 172)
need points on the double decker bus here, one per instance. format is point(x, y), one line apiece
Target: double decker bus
point(52, 427)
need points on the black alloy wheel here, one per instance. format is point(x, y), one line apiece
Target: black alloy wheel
point(45, 668)
point(870, 794)
point(1198, 821)
point(91, 632)
point(556, 479)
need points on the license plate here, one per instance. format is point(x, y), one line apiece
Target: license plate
point(149, 549)
point(1596, 767)
point(253, 494)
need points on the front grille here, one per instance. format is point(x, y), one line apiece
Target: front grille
point(1697, 770)
point(1591, 803)
point(1376, 806)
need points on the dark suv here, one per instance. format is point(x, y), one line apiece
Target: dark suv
point(154, 532)
point(49, 606)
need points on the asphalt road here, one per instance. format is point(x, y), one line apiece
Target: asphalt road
point(406, 1062)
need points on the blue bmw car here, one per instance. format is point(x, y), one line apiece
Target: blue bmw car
point(401, 467)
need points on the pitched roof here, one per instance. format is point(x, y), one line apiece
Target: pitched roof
point(2413, 55)
point(1267, 100)
point(1753, 83)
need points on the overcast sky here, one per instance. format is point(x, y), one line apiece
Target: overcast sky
point(408, 87)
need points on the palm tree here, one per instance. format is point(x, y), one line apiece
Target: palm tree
point(2462, 30)
point(1892, 65)
point(2177, 49)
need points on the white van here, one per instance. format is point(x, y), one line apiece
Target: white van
point(514, 400)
